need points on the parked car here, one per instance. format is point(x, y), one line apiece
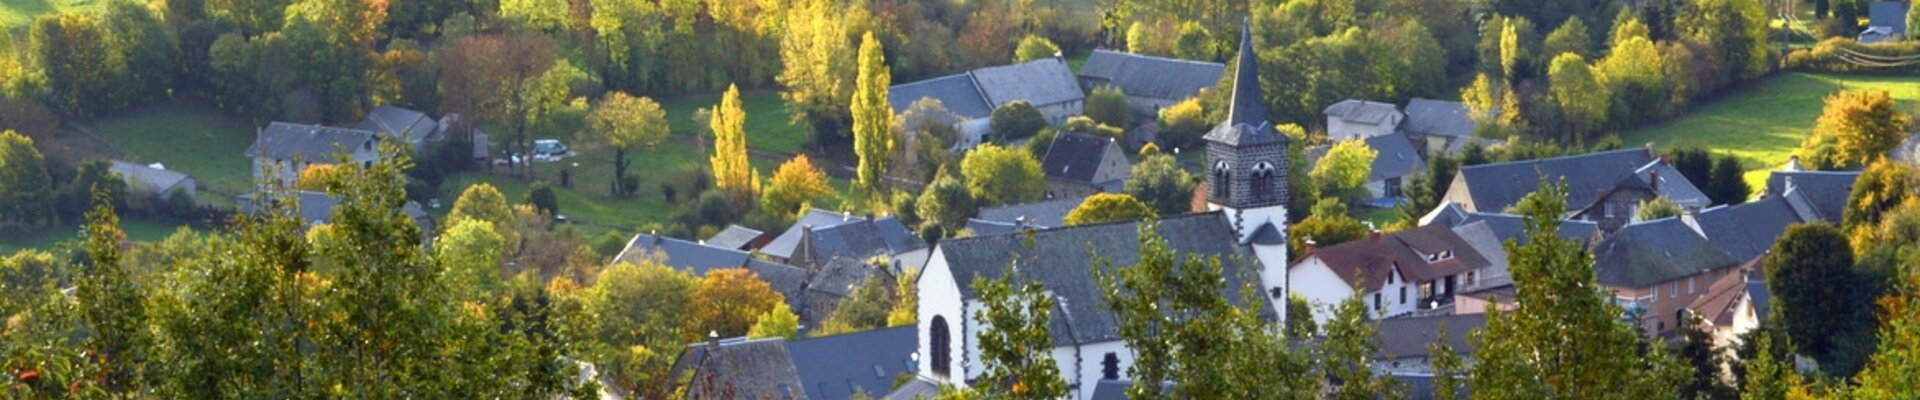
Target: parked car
point(550, 149)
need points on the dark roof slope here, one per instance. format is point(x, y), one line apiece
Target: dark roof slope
point(157, 179)
point(1437, 118)
point(313, 143)
point(1079, 158)
point(414, 125)
point(1041, 214)
point(1891, 14)
point(698, 259)
point(1043, 82)
point(1651, 252)
point(955, 92)
point(835, 367)
point(737, 369)
point(1394, 157)
point(1507, 226)
point(1826, 191)
point(1748, 230)
point(1372, 258)
point(1494, 187)
point(1361, 111)
point(1409, 337)
point(734, 237)
point(1059, 260)
point(784, 245)
point(1149, 76)
point(860, 239)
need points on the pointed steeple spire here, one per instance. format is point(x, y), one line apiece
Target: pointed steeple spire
point(1247, 107)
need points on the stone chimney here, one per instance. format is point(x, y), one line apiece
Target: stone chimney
point(1793, 164)
point(713, 340)
point(1654, 178)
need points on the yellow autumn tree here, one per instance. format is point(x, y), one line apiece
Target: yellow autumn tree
point(872, 116)
point(797, 182)
point(730, 170)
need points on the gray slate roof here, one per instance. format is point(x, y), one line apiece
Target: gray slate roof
point(1825, 191)
point(741, 369)
point(1747, 230)
point(1361, 111)
point(956, 92)
point(1149, 76)
point(1041, 214)
point(1043, 82)
point(313, 143)
point(734, 237)
point(391, 120)
point(1672, 184)
point(160, 180)
point(1110, 390)
point(834, 367)
point(1891, 14)
point(784, 245)
point(1408, 337)
point(1394, 157)
point(860, 240)
point(915, 389)
point(1080, 158)
point(981, 227)
point(1646, 253)
point(1059, 259)
point(1494, 187)
point(1437, 118)
point(1506, 226)
point(698, 259)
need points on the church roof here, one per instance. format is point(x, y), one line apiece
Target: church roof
point(1247, 121)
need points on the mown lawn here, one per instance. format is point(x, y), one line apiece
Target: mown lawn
point(767, 119)
point(1764, 124)
point(137, 229)
point(16, 15)
point(198, 140)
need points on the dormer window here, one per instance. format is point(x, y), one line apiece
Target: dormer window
point(1443, 255)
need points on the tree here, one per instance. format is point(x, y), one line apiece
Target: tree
point(1015, 343)
point(1015, 120)
point(1328, 225)
point(1344, 169)
point(76, 53)
point(1448, 368)
point(333, 42)
point(633, 334)
point(535, 15)
point(1698, 351)
point(998, 175)
point(110, 303)
point(1182, 124)
point(944, 203)
point(542, 198)
point(1416, 200)
point(1657, 208)
point(863, 309)
point(484, 203)
point(906, 305)
point(727, 302)
point(1862, 126)
point(1695, 164)
point(486, 77)
point(1565, 338)
point(729, 161)
point(1081, 124)
point(1159, 181)
point(1818, 295)
point(1579, 94)
point(1109, 207)
point(1881, 188)
point(1518, 45)
point(1729, 185)
point(1890, 372)
point(816, 52)
point(627, 123)
point(1034, 47)
point(872, 116)
point(795, 184)
point(1108, 106)
point(778, 322)
point(1768, 377)
point(469, 253)
point(1347, 355)
point(1570, 37)
point(72, 201)
point(1171, 312)
point(26, 191)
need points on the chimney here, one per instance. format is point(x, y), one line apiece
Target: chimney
point(1793, 164)
point(713, 340)
point(1311, 245)
point(1654, 177)
point(1650, 151)
point(1020, 221)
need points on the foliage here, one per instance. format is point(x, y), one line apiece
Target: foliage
point(1159, 181)
point(1882, 187)
point(541, 197)
point(1109, 207)
point(1769, 377)
point(468, 253)
point(906, 304)
point(729, 161)
point(1582, 99)
point(872, 116)
point(817, 52)
point(794, 185)
point(73, 199)
point(1171, 311)
point(1343, 171)
point(535, 15)
point(1657, 208)
point(1819, 296)
point(1082, 125)
point(76, 52)
point(727, 302)
point(944, 203)
point(1570, 37)
point(1329, 224)
point(999, 175)
point(1108, 106)
point(1698, 351)
point(1015, 345)
point(1347, 355)
point(1727, 186)
point(1183, 124)
point(110, 304)
point(1565, 338)
point(26, 191)
point(627, 123)
point(1448, 368)
point(1015, 120)
point(1034, 47)
point(778, 322)
point(632, 332)
point(482, 202)
point(863, 309)
point(1890, 372)
point(1854, 129)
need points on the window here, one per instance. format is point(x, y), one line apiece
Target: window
point(1110, 367)
point(1659, 326)
point(1390, 277)
point(1674, 292)
point(1393, 187)
point(1608, 207)
point(1403, 295)
point(1690, 284)
point(1376, 301)
point(879, 372)
point(1656, 291)
point(1473, 277)
point(942, 364)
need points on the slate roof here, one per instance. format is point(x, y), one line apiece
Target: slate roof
point(1373, 258)
point(1409, 337)
point(956, 92)
point(1672, 184)
point(698, 259)
point(981, 227)
point(1825, 191)
point(835, 367)
point(1080, 158)
point(734, 237)
point(1891, 14)
point(1247, 122)
point(1043, 82)
point(1494, 187)
point(1480, 235)
point(741, 369)
point(1437, 118)
point(783, 246)
point(1506, 226)
point(1041, 214)
point(915, 389)
point(388, 119)
point(1747, 230)
point(1650, 252)
point(1362, 111)
point(860, 239)
point(1110, 390)
point(1059, 259)
point(1394, 157)
point(161, 180)
point(1149, 76)
point(1761, 298)
point(313, 143)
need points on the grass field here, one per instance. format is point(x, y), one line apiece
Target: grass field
point(1764, 123)
point(200, 141)
point(767, 116)
point(137, 229)
point(15, 15)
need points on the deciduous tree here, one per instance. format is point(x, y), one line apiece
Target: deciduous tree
point(1183, 123)
point(729, 161)
point(1657, 208)
point(26, 191)
point(1819, 296)
point(864, 308)
point(1108, 106)
point(999, 175)
point(1034, 47)
point(1347, 355)
point(1015, 346)
point(778, 322)
point(872, 115)
point(1582, 99)
point(1015, 120)
point(944, 203)
point(626, 123)
point(1159, 181)
point(796, 183)
point(1109, 207)
point(727, 302)
point(1344, 169)
point(1570, 37)
point(817, 53)
point(1863, 127)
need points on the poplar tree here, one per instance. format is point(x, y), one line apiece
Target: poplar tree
point(872, 115)
point(730, 169)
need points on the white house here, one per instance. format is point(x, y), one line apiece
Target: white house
point(1402, 273)
point(1245, 229)
point(284, 149)
point(1360, 119)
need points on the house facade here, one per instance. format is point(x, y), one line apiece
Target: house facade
point(1360, 119)
point(1604, 187)
point(1397, 274)
point(284, 149)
